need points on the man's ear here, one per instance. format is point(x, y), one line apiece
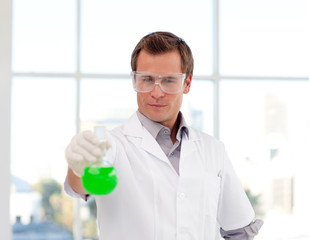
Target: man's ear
point(187, 84)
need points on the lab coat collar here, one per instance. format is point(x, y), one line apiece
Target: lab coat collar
point(134, 129)
point(154, 127)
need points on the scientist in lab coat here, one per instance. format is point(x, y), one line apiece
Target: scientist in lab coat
point(175, 182)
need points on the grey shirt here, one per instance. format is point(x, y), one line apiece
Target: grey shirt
point(172, 150)
point(163, 136)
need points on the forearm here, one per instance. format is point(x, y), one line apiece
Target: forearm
point(75, 182)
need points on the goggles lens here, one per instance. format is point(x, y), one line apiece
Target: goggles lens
point(169, 83)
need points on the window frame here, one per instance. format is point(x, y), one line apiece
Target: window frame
point(6, 76)
point(5, 106)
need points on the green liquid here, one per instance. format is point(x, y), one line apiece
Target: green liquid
point(99, 180)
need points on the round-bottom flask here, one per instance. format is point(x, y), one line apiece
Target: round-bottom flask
point(100, 177)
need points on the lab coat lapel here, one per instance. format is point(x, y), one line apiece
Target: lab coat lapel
point(150, 145)
point(134, 128)
point(188, 146)
point(189, 157)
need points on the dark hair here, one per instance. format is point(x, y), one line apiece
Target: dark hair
point(163, 42)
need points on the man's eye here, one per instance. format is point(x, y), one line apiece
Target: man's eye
point(169, 80)
point(148, 79)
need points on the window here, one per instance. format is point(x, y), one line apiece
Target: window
point(265, 125)
point(264, 38)
point(109, 33)
point(71, 66)
point(43, 121)
point(249, 89)
point(264, 110)
point(44, 36)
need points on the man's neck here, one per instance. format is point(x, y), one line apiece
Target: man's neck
point(175, 128)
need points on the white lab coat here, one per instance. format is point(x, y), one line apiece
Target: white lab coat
point(152, 202)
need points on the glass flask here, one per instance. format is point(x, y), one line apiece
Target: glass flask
point(100, 176)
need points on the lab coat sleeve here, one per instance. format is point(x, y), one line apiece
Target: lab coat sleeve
point(234, 208)
point(246, 233)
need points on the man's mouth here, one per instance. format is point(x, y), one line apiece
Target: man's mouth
point(157, 105)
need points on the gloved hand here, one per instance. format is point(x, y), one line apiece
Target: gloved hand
point(82, 150)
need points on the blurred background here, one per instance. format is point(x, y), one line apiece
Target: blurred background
point(66, 67)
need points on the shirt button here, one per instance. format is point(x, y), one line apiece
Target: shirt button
point(181, 195)
point(172, 153)
point(166, 131)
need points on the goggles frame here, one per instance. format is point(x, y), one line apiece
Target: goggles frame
point(146, 81)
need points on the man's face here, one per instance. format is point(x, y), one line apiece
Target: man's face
point(158, 105)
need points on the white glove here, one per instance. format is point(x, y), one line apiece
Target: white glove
point(82, 150)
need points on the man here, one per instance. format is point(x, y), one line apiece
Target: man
point(174, 182)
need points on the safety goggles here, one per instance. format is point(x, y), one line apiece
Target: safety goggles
point(169, 83)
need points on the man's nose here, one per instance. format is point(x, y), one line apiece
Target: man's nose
point(157, 91)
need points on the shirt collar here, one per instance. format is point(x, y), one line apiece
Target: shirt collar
point(183, 127)
point(154, 127)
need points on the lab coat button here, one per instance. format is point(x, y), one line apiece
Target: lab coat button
point(181, 195)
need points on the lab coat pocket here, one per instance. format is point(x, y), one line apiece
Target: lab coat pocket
point(212, 191)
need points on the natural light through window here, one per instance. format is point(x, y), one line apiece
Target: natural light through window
point(71, 70)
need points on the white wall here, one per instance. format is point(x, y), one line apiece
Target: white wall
point(5, 99)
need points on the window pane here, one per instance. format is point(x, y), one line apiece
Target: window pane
point(110, 32)
point(264, 37)
point(107, 102)
point(197, 106)
point(44, 36)
point(265, 126)
point(43, 122)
